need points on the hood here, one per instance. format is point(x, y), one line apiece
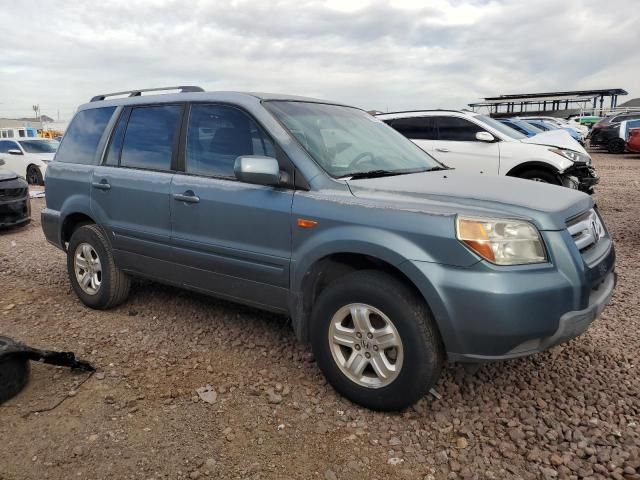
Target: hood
point(556, 138)
point(449, 192)
point(7, 175)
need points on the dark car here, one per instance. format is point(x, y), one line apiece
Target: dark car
point(15, 208)
point(606, 133)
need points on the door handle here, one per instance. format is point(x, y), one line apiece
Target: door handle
point(103, 185)
point(188, 197)
point(442, 149)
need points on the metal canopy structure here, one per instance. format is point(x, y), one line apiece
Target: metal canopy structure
point(549, 102)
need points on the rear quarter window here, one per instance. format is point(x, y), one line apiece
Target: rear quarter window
point(83, 135)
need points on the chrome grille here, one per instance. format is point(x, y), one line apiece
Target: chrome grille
point(586, 230)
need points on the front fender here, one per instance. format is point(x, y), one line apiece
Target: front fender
point(514, 157)
point(380, 244)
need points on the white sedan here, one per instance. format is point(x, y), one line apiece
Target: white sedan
point(28, 157)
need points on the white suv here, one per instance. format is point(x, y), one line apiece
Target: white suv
point(479, 144)
point(28, 157)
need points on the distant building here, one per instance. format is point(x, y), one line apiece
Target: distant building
point(44, 123)
point(633, 103)
point(20, 122)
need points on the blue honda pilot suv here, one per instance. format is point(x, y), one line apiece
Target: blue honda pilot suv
point(388, 262)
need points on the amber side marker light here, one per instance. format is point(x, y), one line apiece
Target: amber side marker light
point(304, 223)
point(476, 237)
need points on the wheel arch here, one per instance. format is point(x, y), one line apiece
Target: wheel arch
point(324, 270)
point(71, 223)
point(531, 165)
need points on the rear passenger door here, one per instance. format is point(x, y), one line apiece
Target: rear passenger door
point(131, 190)
point(457, 146)
point(230, 238)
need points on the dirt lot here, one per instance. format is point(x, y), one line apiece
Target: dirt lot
point(572, 412)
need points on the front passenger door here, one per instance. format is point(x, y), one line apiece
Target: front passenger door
point(420, 130)
point(230, 238)
point(457, 146)
point(12, 162)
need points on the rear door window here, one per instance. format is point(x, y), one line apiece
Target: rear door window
point(217, 135)
point(416, 128)
point(457, 129)
point(83, 135)
point(150, 137)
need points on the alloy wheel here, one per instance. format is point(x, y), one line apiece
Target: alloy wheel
point(366, 345)
point(88, 269)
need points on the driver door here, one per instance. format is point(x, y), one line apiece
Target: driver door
point(230, 238)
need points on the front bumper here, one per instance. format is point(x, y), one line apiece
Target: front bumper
point(571, 324)
point(581, 177)
point(487, 313)
point(15, 208)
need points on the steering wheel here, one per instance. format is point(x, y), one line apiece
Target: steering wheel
point(360, 158)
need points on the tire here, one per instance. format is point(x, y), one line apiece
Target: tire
point(540, 175)
point(14, 373)
point(616, 145)
point(34, 176)
point(419, 361)
point(108, 286)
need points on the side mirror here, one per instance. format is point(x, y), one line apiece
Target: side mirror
point(257, 170)
point(15, 151)
point(485, 137)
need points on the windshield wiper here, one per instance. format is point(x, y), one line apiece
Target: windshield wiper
point(437, 168)
point(372, 174)
point(389, 173)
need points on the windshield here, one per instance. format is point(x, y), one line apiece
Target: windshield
point(346, 141)
point(39, 146)
point(501, 127)
point(526, 126)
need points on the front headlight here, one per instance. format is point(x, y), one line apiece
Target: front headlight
point(502, 241)
point(572, 155)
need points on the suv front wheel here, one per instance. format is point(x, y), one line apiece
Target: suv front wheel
point(375, 341)
point(92, 272)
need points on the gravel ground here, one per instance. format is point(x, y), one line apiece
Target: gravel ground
point(571, 412)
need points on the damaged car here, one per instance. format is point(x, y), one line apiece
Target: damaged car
point(15, 206)
point(476, 143)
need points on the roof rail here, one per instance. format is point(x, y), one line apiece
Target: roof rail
point(138, 93)
point(425, 110)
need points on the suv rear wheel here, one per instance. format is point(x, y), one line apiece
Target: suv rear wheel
point(375, 341)
point(92, 272)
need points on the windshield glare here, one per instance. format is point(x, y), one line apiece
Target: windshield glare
point(39, 146)
point(346, 141)
point(501, 127)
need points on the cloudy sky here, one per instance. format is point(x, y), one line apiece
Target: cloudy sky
point(382, 54)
